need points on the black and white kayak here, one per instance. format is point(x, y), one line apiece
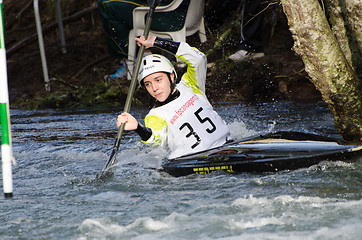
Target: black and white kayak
point(265, 153)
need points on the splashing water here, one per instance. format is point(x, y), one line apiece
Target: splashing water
point(56, 194)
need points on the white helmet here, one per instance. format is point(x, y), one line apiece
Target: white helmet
point(155, 63)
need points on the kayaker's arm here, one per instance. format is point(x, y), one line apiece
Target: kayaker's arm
point(159, 128)
point(131, 123)
point(195, 76)
point(166, 44)
point(153, 41)
point(144, 132)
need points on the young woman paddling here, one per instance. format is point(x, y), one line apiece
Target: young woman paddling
point(182, 118)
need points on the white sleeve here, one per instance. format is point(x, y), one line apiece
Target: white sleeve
point(195, 76)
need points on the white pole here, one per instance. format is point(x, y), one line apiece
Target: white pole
point(41, 45)
point(6, 149)
point(58, 12)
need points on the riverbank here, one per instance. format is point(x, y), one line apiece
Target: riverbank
point(77, 77)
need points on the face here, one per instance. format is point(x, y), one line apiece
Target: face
point(158, 85)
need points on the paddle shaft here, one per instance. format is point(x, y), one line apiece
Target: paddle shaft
point(132, 87)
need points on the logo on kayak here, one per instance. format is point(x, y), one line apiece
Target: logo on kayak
point(207, 170)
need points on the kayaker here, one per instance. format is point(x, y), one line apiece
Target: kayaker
point(182, 117)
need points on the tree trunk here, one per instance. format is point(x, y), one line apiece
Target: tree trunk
point(327, 61)
point(345, 19)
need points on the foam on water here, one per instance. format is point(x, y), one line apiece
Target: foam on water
point(247, 218)
point(238, 129)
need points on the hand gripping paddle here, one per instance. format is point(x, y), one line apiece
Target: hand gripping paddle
point(153, 4)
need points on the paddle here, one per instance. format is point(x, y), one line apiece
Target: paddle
point(153, 4)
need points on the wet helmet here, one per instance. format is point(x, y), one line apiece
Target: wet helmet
point(155, 63)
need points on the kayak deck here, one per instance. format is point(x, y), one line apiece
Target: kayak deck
point(266, 153)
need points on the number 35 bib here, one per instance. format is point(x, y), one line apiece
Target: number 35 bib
point(191, 123)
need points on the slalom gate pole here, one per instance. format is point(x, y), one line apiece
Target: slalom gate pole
point(6, 149)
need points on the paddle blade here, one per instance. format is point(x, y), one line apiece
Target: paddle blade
point(104, 172)
point(103, 175)
point(112, 159)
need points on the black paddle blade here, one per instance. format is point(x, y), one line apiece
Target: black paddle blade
point(112, 159)
point(103, 175)
point(104, 172)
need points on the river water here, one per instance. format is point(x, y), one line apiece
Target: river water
point(60, 152)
